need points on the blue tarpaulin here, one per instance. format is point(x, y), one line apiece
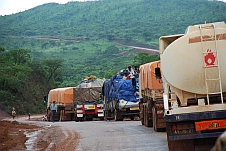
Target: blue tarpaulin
point(126, 91)
point(116, 88)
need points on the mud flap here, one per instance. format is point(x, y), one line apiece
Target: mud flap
point(181, 145)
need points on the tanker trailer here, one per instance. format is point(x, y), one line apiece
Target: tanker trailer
point(193, 72)
point(151, 96)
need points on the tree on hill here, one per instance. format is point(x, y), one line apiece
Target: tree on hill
point(23, 82)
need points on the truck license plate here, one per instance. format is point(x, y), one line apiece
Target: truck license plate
point(181, 132)
point(134, 108)
point(210, 125)
point(91, 107)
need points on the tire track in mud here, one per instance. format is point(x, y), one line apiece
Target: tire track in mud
point(55, 138)
point(70, 140)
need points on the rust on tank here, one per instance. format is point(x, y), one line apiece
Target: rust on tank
point(207, 38)
point(221, 36)
point(194, 39)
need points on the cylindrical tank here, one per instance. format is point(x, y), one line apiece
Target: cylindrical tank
point(187, 60)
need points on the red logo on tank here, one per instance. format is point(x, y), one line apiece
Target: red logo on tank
point(209, 58)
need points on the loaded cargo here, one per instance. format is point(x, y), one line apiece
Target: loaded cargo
point(64, 98)
point(120, 95)
point(151, 96)
point(87, 100)
point(78, 103)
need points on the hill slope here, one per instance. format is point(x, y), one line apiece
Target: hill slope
point(87, 36)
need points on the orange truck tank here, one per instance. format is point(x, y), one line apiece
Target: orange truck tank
point(151, 96)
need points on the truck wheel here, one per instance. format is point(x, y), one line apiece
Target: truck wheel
point(117, 116)
point(154, 118)
point(107, 115)
point(49, 118)
point(76, 119)
point(81, 119)
point(48, 115)
point(142, 114)
point(147, 121)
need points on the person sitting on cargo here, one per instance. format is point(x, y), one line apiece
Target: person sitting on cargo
point(130, 70)
point(129, 77)
point(126, 73)
point(136, 69)
point(53, 108)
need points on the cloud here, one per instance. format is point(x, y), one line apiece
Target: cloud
point(8, 7)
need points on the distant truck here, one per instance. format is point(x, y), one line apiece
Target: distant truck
point(64, 98)
point(87, 100)
point(151, 96)
point(77, 103)
point(120, 98)
point(193, 71)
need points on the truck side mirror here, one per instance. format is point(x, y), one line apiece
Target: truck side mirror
point(157, 73)
point(45, 99)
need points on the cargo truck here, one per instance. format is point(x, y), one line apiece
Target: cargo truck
point(77, 103)
point(64, 98)
point(121, 98)
point(87, 100)
point(151, 96)
point(193, 71)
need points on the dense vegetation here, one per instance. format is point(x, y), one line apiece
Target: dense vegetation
point(23, 82)
point(91, 38)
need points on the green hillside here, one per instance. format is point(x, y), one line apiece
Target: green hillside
point(93, 38)
point(91, 27)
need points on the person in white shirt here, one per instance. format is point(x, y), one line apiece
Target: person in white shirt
point(131, 70)
point(53, 108)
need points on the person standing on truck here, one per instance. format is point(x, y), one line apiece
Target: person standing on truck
point(131, 70)
point(13, 113)
point(53, 108)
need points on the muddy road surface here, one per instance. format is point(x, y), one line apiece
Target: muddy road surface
point(95, 136)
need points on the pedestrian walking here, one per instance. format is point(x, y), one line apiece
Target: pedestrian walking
point(29, 115)
point(53, 108)
point(13, 113)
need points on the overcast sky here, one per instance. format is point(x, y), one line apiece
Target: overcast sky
point(8, 7)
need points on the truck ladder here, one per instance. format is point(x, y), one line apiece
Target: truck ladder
point(204, 41)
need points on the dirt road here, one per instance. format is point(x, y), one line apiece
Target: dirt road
point(34, 134)
point(86, 136)
point(115, 136)
point(92, 136)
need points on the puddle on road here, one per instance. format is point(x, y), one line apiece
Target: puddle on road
point(32, 137)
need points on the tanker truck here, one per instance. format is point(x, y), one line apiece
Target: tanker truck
point(151, 96)
point(194, 82)
point(120, 98)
